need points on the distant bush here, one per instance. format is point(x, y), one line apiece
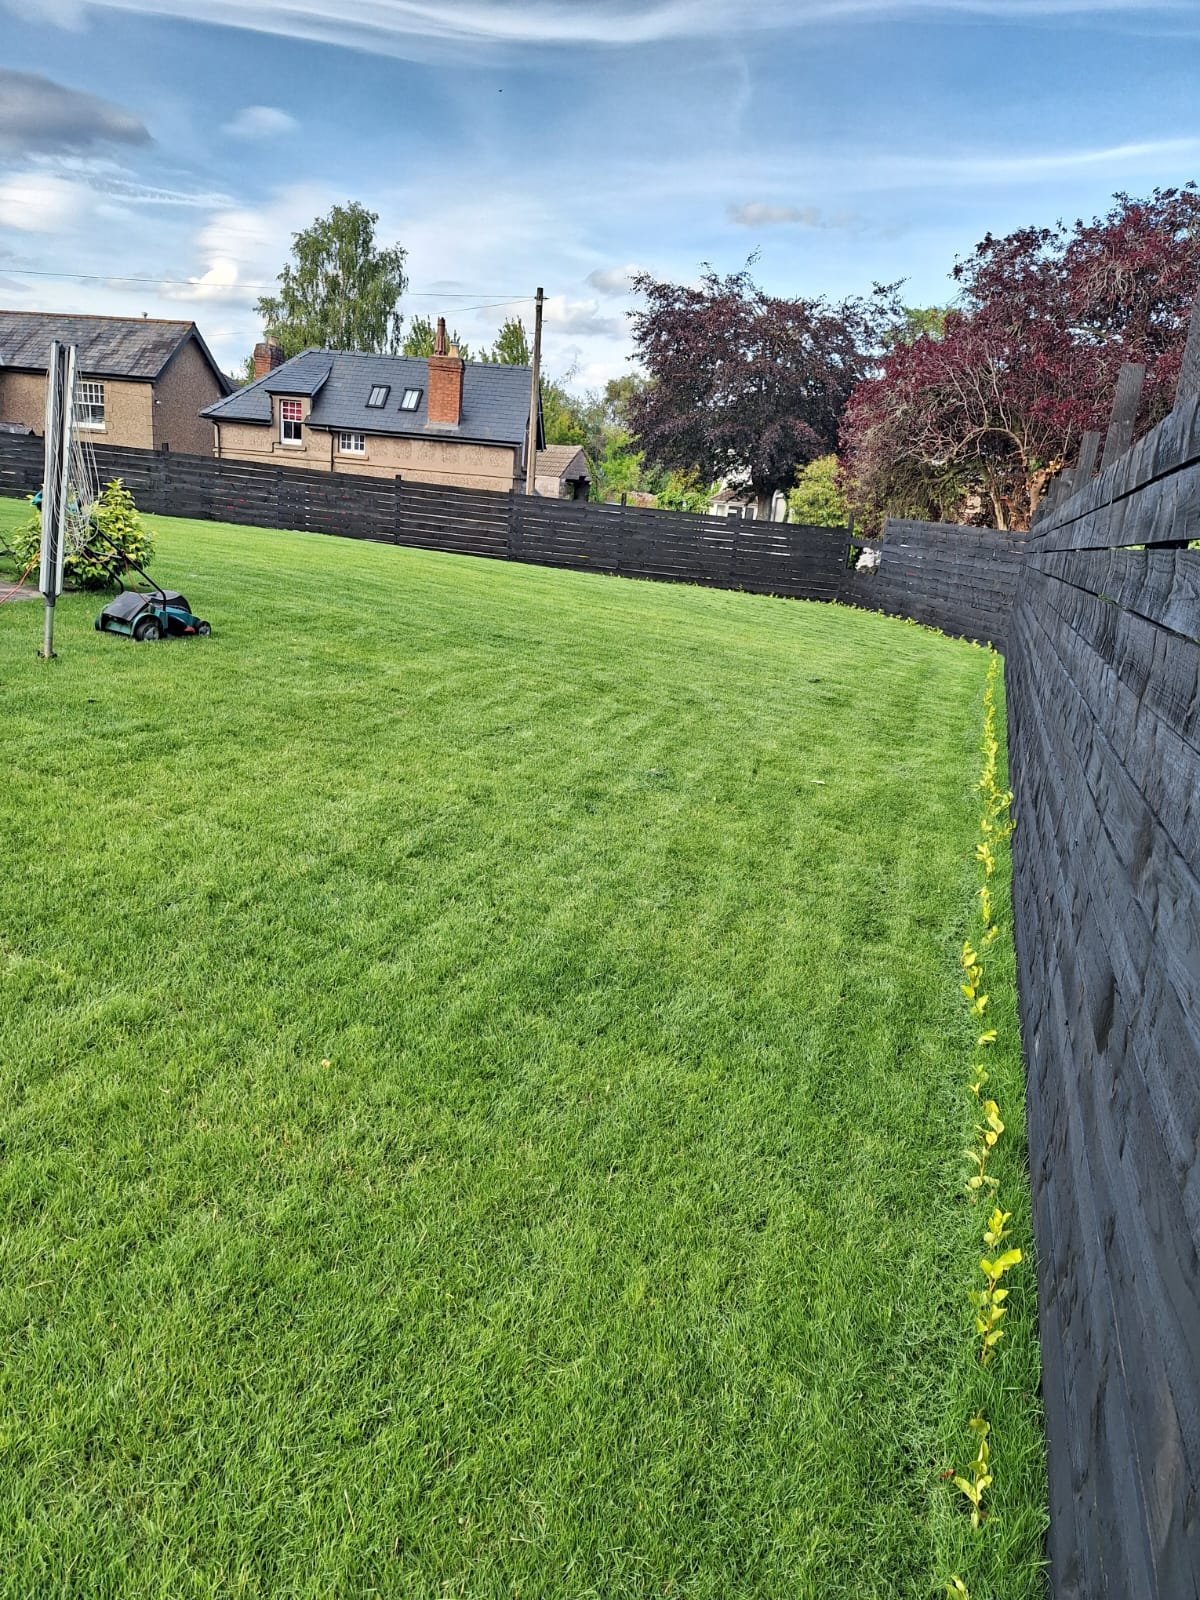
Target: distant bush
point(98, 564)
point(817, 500)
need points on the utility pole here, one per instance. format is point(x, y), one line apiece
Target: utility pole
point(534, 396)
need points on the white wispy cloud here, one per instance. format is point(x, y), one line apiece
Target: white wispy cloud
point(56, 196)
point(260, 122)
point(614, 280)
point(834, 175)
point(402, 26)
point(38, 202)
point(757, 214)
point(241, 248)
point(579, 317)
point(221, 284)
point(1033, 165)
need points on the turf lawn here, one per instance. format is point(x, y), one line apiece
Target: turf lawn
point(483, 1094)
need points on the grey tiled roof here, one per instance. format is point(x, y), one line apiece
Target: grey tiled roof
point(109, 347)
point(557, 459)
point(306, 374)
point(495, 398)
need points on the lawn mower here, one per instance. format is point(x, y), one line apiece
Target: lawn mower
point(148, 617)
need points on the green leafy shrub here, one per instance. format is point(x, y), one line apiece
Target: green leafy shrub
point(97, 565)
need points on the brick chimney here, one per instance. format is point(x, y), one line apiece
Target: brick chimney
point(445, 382)
point(267, 356)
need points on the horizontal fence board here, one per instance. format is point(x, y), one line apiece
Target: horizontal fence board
point(960, 580)
point(1103, 672)
point(1165, 450)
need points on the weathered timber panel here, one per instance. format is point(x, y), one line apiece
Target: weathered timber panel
point(1103, 678)
point(960, 580)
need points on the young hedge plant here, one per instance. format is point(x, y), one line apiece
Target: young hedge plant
point(97, 565)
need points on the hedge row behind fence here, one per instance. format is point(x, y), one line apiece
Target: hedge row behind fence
point(958, 580)
point(1103, 671)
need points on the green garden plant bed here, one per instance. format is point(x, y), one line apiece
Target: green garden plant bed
point(484, 1089)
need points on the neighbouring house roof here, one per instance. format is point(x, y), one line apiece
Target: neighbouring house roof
point(305, 375)
point(565, 462)
point(139, 348)
point(495, 404)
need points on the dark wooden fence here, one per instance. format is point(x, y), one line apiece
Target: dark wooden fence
point(762, 557)
point(960, 580)
point(1103, 672)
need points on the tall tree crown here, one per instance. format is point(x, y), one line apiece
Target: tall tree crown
point(339, 291)
point(745, 382)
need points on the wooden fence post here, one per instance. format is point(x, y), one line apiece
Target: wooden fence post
point(1085, 467)
point(1124, 412)
point(513, 540)
point(1189, 373)
point(397, 484)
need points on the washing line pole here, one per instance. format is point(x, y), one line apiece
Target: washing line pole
point(60, 396)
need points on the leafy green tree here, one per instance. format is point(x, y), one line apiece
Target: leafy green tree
point(562, 415)
point(339, 291)
point(511, 348)
point(817, 499)
point(619, 394)
point(422, 335)
point(917, 322)
point(620, 466)
point(682, 491)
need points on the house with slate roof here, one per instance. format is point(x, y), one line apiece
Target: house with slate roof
point(140, 381)
point(425, 420)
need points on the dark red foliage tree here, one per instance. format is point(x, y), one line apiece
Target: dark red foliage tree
point(747, 383)
point(975, 423)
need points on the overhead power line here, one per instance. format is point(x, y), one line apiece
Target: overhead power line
point(199, 286)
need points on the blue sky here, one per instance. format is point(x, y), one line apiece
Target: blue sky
point(507, 145)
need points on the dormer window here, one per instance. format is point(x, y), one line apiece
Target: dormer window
point(410, 400)
point(291, 415)
point(378, 396)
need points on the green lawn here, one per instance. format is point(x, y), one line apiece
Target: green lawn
point(483, 1094)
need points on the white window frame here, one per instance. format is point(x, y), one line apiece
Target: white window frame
point(352, 449)
point(416, 400)
point(297, 419)
point(89, 405)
